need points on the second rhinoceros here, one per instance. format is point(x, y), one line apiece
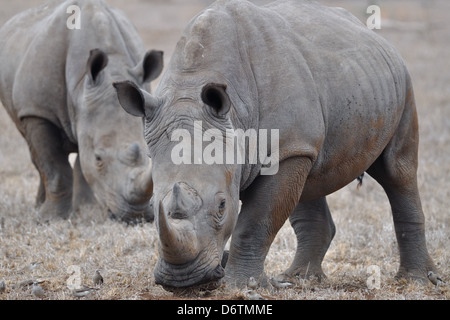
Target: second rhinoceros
point(55, 83)
point(342, 101)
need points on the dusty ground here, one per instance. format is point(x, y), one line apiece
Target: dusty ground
point(126, 255)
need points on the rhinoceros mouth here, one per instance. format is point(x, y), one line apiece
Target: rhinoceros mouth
point(172, 276)
point(133, 214)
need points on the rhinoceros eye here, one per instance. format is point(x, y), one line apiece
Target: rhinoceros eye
point(98, 161)
point(222, 205)
point(219, 214)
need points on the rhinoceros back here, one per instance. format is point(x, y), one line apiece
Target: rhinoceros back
point(328, 83)
point(43, 60)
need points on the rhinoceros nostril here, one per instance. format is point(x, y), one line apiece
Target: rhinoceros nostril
point(111, 215)
point(177, 215)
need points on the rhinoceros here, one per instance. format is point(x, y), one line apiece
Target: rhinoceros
point(55, 83)
point(342, 101)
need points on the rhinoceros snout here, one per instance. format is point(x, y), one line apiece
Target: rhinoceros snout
point(218, 273)
point(190, 275)
point(133, 214)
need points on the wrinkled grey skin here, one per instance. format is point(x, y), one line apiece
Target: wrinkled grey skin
point(55, 84)
point(343, 102)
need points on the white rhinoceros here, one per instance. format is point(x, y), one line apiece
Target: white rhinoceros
point(342, 101)
point(55, 83)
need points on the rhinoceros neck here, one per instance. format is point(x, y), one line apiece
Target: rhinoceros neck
point(105, 29)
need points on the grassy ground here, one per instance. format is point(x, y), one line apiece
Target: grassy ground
point(126, 255)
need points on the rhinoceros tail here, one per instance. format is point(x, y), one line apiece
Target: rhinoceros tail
point(360, 181)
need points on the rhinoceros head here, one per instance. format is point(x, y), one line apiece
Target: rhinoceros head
point(112, 149)
point(196, 202)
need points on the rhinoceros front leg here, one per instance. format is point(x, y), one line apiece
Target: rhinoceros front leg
point(51, 160)
point(82, 192)
point(314, 229)
point(266, 205)
point(40, 197)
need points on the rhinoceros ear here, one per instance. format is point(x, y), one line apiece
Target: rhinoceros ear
point(134, 100)
point(215, 96)
point(97, 61)
point(150, 67)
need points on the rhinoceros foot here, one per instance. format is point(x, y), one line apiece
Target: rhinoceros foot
point(289, 277)
point(54, 210)
point(241, 280)
point(418, 275)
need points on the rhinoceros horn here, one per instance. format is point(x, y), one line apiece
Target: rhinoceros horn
point(178, 240)
point(134, 152)
point(144, 183)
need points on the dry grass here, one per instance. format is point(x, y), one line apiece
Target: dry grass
point(126, 255)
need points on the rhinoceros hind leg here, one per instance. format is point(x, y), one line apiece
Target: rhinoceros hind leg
point(396, 171)
point(51, 160)
point(314, 228)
